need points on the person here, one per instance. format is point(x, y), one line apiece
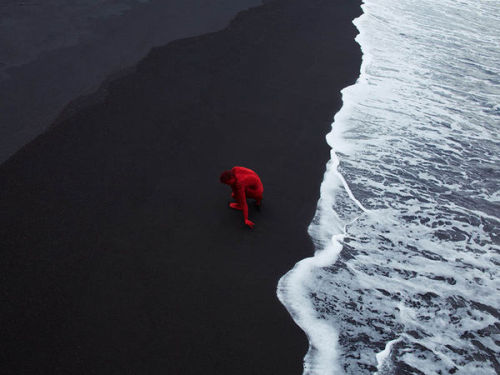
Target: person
point(244, 183)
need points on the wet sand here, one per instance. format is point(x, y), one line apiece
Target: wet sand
point(119, 252)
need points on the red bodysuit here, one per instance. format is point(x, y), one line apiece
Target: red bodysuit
point(247, 184)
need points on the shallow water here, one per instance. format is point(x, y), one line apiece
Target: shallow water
point(405, 275)
point(55, 51)
point(30, 28)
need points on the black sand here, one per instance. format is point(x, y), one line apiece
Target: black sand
point(119, 253)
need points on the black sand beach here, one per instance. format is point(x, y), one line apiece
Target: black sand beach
point(119, 253)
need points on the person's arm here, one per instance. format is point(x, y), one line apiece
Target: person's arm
point(242, 200)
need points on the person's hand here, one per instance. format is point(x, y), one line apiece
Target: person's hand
point(235, 206)
point(249, 223)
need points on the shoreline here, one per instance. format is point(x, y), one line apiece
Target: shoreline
point(121, 253)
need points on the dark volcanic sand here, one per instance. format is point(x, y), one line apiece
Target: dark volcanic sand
point(120, 254)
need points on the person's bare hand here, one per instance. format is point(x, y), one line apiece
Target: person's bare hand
point(249, 223)
point(235, 206)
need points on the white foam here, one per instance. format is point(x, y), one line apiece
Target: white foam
point(384, 354)
point(322, 355)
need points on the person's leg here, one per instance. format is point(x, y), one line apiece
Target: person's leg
point(255, 194)
point(258, 201)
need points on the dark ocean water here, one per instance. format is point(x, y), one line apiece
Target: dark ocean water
point(53, 51)
point(405, 279)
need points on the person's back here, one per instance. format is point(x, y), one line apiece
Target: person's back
point(249, 179)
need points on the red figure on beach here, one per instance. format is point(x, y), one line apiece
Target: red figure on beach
point(245, 183)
